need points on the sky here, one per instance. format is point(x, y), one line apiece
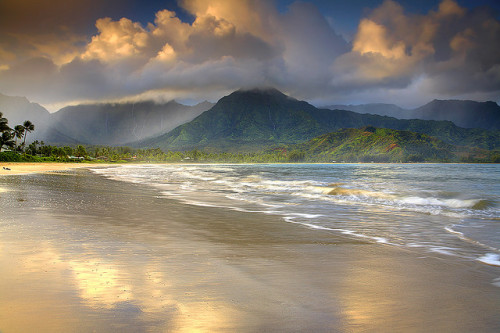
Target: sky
point(61, 52)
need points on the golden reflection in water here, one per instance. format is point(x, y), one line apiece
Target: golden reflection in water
point(161, 292)
point(155, 290)
point(368, 297)
point(44, 283)
point(393, 293)
point(206, 316)
point(375, 294)
point(31, 288)
point(100, 284)
point(44, 259)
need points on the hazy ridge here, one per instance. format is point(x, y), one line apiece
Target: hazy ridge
point(463, 113)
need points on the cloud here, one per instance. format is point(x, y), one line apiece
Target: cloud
point(117, 40)
point(452, 48)
point(229, 45)
point(450, 51)
point(59, 30)
point(28, 76)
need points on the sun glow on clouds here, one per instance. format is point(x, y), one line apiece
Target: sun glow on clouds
point(372, 38)
point(116, 40)
point(234, 44)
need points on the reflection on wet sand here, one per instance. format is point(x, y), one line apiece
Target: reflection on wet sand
point(54, 293)
point(402, 293)
point(100, 285)
point(31, 289)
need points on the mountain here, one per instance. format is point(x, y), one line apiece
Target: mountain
point(254, 119)
point(381, 109)
point(106, 124)
point(19, 109)
point(370, 144)
point(245, 118)
point(468, 114)
point(121, 123)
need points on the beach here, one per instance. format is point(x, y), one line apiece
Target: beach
point(19, 168)
point(82, 252)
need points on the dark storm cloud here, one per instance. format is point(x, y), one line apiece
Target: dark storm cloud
point(45, 17)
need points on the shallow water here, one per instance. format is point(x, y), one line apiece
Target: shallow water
point(450, 209)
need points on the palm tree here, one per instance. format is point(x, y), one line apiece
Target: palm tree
point(28, 128)
point(6, 139)
point(18, 132)
point(3, 123)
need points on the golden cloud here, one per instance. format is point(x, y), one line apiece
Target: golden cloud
point(372, 38)
point(116, 40)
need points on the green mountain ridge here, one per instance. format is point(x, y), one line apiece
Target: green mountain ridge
point(370, 144)
point(255, 119)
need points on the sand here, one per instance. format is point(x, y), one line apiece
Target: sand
point(19, 168)
point(79, 252)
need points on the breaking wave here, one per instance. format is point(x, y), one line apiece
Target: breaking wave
point(410, 209)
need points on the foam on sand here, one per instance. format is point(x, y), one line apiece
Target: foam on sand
point(490, 259)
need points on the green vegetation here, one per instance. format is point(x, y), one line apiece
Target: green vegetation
point(367, 144)
point(370, 144)
point(260, 119)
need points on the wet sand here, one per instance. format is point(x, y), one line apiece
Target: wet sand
point(82, 253)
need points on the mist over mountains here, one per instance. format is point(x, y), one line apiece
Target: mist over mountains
point(19, 109)
point(252, 119)
point(100, 124)
point(118, 124)
point(247, 120)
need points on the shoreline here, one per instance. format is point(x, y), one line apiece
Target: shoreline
point(107, 255)
point(20, 168)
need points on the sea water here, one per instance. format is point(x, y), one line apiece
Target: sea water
point(436, 209)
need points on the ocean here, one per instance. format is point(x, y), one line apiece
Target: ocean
point(447, 209)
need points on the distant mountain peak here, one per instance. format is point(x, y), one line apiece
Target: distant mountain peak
point(270, 91)
point(260, 90)
point(257, 96)
point(463, 113)
point(205, 104)
point(17, 99)
point(171, 103)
